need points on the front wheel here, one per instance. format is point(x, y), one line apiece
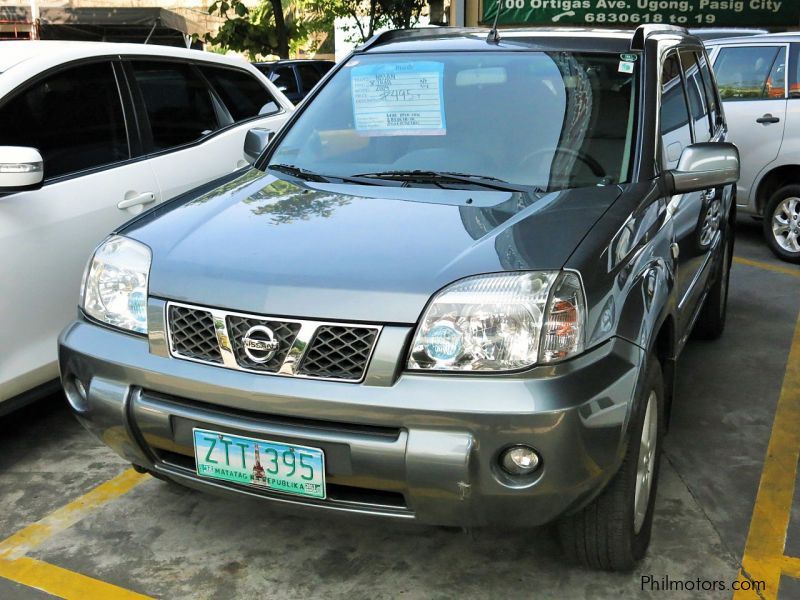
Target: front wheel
point(613, 532)
point(782, 223)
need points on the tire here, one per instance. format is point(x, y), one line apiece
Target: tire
point(711, 320)
point(783, 212)
point(607, 534)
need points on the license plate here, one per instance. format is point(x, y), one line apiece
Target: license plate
point(276, 466)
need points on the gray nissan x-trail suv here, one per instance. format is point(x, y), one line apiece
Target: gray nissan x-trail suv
point(453, 289)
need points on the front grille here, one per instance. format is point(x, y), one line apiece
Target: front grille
point(284, 334)
point(322, 350)
point(192, 334)
point(338, 352)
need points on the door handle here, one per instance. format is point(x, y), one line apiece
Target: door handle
point(141, 199)
point(768, 118)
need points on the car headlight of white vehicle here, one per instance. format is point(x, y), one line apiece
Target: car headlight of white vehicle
point(501, 322)
point(114, 289)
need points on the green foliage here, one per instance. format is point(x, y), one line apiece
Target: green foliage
point(256, 31)
point(402, 14)
point(368, 15)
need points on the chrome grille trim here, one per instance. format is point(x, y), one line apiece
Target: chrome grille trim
point(295, 356)
point(337, 351)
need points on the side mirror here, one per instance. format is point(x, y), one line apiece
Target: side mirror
point(255, 142)
point(704, 166)
point(21, 168)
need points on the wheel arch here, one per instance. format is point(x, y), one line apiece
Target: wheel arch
point(663, 346)
point(773, 180)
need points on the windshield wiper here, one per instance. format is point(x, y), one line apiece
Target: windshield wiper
point(298, 172)
point(308, 175)
point(419, 175)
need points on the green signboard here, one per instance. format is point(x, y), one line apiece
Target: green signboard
point(630, 13)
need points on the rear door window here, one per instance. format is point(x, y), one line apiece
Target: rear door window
point(73, 117)
point(676, 131)
point(323, 67)
point(696, 94)
point(284, 80)
point(244, 96)
point(710, 92)
point(309, 76)
point(178, 102)
point(751, 72)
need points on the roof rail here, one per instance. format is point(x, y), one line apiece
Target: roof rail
point(645, 31)
point(420, 32)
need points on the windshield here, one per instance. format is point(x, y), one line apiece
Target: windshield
point(549, 120)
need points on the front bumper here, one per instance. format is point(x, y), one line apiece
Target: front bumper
point(421, 447)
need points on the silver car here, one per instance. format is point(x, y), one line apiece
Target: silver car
point(761, 96)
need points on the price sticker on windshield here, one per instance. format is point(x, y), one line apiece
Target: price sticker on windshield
point(399, 99)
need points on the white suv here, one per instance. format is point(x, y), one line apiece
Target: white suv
point(91, 134)
point(760, 89)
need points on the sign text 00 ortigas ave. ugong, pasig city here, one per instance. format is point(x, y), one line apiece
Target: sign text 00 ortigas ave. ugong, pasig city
point(627, 13)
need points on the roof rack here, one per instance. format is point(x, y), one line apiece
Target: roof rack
point(637, 42)
point(421, 32)
point(645, 31)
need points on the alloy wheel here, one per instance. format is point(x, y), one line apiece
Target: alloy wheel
point(711, 222)
point(646, 464)
point(786, 224)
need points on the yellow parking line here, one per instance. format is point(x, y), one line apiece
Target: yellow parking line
point(791, 566)
point(33, 535)
point(795, 271)
point(763, 554)
point(17, 567)
point(61, 582)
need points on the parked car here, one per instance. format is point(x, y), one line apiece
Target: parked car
point(716, 33)
point(761, 94)
point(90, 135)
point(425, 313)
point(295, 78)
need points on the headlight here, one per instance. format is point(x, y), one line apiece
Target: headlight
point(114, 289)
point(501, 323)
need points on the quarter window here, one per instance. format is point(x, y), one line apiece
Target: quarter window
point(794, 62)
point(178, 103)
point(243, 95)
point(751, 73)
point(676, 133)
point(74, 118)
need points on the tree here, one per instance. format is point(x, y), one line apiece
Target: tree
point(368, 15)
point(402, 14)
point(272, 28)
point(265, 29)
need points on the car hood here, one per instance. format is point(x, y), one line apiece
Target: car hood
point(352, 252)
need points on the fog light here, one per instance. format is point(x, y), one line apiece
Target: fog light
point(76, 392)
point(520, 460)
point(80, 388)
